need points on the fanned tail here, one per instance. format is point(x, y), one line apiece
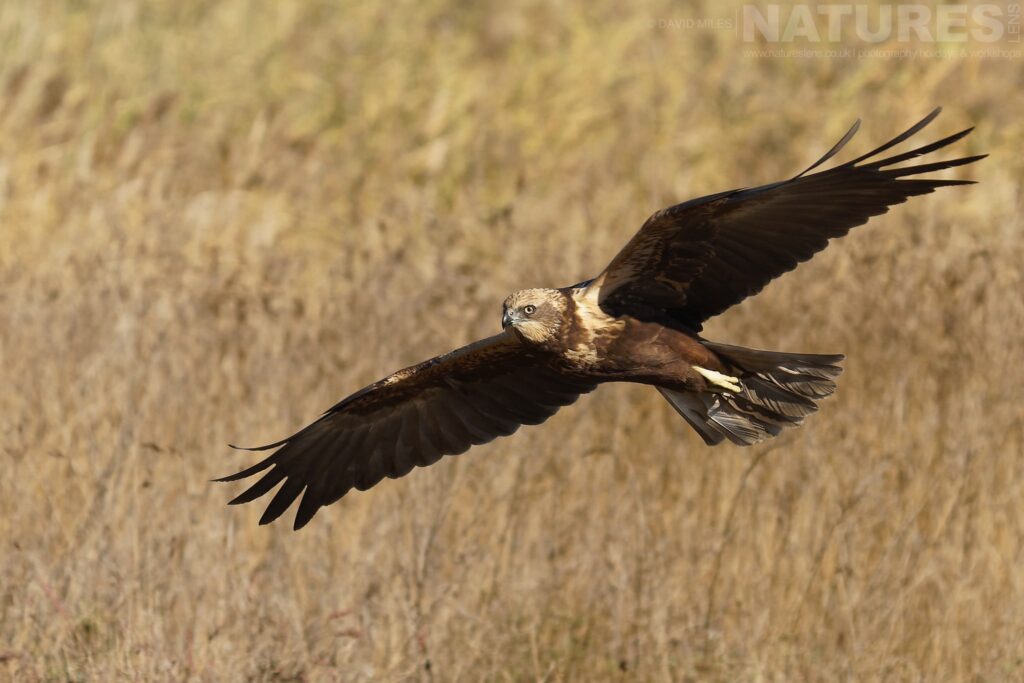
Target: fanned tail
point(777, 390)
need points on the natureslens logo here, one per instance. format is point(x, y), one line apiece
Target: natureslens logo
point(906, 23)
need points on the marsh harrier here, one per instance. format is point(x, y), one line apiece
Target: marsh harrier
point(639, 320)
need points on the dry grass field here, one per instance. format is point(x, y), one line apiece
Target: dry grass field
point(216, 219)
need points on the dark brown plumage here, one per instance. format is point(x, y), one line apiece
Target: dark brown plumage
point(638, 321)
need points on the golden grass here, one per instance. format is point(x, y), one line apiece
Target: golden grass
point(219, 218)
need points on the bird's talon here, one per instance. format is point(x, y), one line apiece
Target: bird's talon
point(719, 379)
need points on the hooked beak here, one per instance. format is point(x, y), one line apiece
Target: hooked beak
point(506, 319)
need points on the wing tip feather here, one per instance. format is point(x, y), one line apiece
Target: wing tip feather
point(267, 447)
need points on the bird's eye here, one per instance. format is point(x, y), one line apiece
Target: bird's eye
point(529, 310)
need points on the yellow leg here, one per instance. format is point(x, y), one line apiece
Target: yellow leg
point(718, 379)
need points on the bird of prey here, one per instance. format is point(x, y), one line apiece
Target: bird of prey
point(639, 320)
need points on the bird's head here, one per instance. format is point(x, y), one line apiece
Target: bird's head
point(535, 315)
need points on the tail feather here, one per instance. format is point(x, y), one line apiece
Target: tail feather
point(778, 390)
point(776, 399)
point(758, 359)
point(810, 385)
point(694, 409)
point(742, 427)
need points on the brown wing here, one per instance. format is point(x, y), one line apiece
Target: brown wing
point(411, 418)
point(696, 259)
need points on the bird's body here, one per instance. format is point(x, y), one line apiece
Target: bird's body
point(638, 321)
point(592, 344)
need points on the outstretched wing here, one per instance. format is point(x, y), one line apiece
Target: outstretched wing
point(696, 259)
point(411, 418)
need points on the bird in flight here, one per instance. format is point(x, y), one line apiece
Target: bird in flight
point(639, 321)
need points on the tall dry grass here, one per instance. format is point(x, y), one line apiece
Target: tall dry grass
point(219, 218)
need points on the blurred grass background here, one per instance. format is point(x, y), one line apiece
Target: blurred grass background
point(216, 219)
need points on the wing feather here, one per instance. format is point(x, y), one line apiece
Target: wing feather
point(694, 260)
point(410, 419)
